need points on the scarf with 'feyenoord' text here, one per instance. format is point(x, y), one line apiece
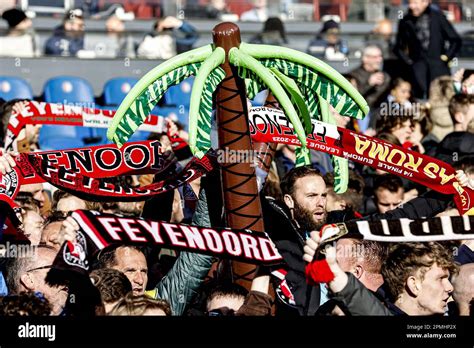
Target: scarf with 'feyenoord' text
point(98, 230)
point(90, 173)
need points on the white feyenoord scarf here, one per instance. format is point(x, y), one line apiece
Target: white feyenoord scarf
point(66, 115)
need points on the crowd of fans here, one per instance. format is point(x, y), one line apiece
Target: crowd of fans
point(170, 35)
point(423, 108)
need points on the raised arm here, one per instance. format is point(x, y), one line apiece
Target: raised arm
point(344, 287)
point(182, 282)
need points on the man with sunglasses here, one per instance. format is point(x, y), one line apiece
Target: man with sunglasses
point(29, 273)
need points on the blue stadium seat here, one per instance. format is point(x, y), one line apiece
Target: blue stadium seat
point(61, 137)
point(14, 88)
point(180, 94)
point(68, 90)
point(116, 89)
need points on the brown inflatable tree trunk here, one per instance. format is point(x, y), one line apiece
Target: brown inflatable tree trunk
point(239, 184)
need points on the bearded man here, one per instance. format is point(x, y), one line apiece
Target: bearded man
point(303, 209)
point(289, 223)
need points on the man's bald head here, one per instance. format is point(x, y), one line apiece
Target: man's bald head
point(464, 288)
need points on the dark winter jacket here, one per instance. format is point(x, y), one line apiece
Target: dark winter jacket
point(465, 255)
point(409, 48)
point(421, 49)
point(63, 43)
point(358, 300)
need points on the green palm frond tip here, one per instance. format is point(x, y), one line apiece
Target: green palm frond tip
point(311, 73)
point(341, 174)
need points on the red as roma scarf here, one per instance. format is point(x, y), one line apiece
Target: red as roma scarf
point(271, 125)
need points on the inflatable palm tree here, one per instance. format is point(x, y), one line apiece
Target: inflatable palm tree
point(233, 72)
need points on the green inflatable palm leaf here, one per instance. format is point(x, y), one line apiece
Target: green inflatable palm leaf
point(320, 84)
point(240, 59)
point(304, 86)
point(200, 112)
point(297, 98)
point(252, 86)
point(303, 157)
point(341, 165)
point(135, 117)
point(314, 74)
point(141, 107)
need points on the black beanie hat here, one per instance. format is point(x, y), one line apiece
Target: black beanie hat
point(330, 24)
point(14, 17)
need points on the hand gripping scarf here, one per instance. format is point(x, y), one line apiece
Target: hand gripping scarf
point(401, 230)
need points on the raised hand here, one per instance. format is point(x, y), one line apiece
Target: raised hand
point(464, 180)
point(340, 277)
point(68, 231)
point(7, 162)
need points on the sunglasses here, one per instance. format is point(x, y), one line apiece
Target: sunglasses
point(225, 312)
point(38, 268)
